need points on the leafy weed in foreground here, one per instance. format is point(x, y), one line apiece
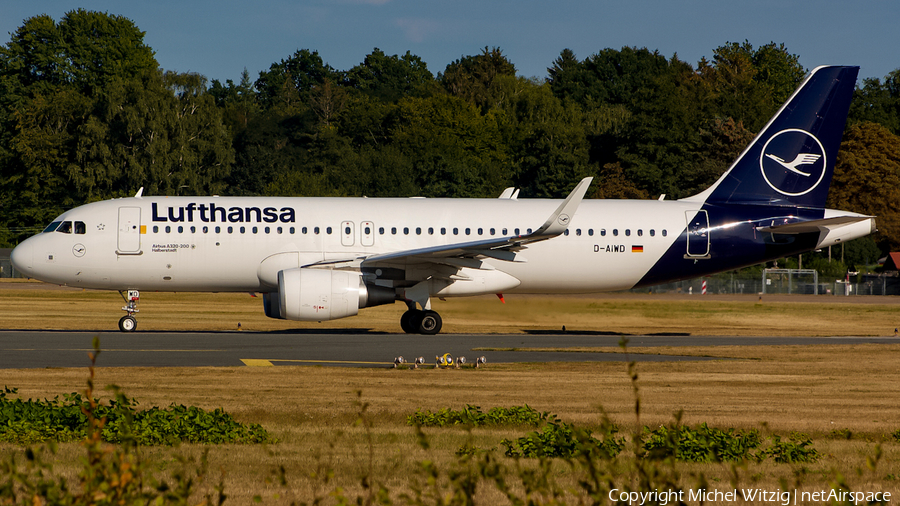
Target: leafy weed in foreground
point(63, 420)
point(472, 415)
point(560, 439)
point(703, 444)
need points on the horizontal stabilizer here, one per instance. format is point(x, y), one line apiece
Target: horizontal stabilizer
point(805, 227)
point(832, 230)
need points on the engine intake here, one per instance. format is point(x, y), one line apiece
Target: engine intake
point(320, 294)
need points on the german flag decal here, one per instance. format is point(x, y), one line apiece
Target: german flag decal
point(637, 249)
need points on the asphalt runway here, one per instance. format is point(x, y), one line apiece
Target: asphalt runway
point(356, 348)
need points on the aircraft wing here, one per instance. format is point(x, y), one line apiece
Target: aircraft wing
point(501, 248)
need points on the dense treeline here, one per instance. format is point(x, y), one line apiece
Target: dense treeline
point(87, 114)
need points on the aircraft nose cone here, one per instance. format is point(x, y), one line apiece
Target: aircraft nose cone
point(22, 257)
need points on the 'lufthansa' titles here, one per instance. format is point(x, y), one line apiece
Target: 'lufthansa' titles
point(211, 213)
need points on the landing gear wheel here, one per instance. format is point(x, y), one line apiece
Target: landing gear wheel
point(429, 323)
point(127, 323)
point(413, 321)
point(406, 321)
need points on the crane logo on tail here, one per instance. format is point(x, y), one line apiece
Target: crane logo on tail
point(793, 163)
point(801, 159)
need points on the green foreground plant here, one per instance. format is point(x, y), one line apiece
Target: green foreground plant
point(65, 420)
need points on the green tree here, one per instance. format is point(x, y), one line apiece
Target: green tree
point(87, 115)
point(162, 132)
point(389, 78)
point(84, 51)
point(472, 78)
point(663, 135)
point(51, 75)
point(546, 141)
point(867, 179)
point(238, 102)
point(614, 185)
point(300, 72)
point(878, 102)
point(749, 84)
point(721, 142)
point(455, 151)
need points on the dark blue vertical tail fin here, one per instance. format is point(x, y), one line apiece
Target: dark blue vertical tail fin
point(791, 160)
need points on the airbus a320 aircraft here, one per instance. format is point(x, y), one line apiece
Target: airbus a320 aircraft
point(325, 258)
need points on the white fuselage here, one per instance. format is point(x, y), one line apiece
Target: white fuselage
point(223, 243)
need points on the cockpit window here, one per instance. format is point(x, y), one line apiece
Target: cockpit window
point(79, 227)
point(65, 227)
point(52, 227)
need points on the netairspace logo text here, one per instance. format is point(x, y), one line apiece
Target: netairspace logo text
point(758, 495)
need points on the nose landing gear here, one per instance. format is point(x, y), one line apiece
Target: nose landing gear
point(128, 323)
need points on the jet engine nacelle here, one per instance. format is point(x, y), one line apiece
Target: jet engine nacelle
point(322, 294)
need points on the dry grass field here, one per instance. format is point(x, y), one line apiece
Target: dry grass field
point(822, 390)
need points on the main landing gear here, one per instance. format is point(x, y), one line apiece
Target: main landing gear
point(128, 323)
point(415, 321)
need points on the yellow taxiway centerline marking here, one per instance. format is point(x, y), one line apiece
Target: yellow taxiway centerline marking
point(258, 362)
point(255, 362)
